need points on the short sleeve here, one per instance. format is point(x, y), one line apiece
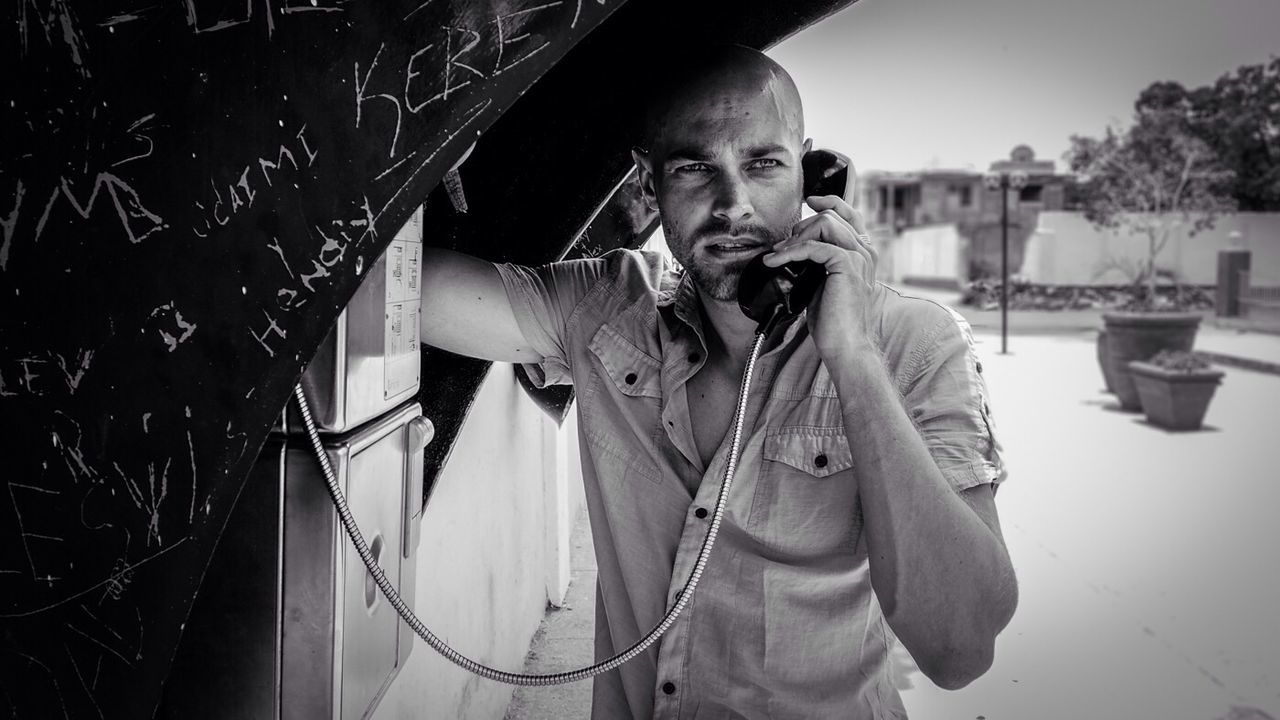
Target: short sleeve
point(544, 300)
point(947, 400)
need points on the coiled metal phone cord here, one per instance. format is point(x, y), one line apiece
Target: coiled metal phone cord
point(511, 678)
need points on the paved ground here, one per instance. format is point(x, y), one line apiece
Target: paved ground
point(1146, 559)
point(564, 641)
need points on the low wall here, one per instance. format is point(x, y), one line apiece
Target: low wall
point(491, 554)
point(930, 255)
point(1066, 249)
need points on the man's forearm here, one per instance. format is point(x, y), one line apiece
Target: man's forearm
point(941, 574)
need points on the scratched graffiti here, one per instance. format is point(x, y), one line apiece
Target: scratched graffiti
point(81, 196)
point(316, 267)
point(44, 372)
point(135, 219)
point(228, 198)
point(454, 58)
point(171, 326)
point(211, 16)
point(9, 223)
point(128, 504)
point(54, 23)
point(187, 192)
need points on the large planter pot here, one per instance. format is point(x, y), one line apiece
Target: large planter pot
point(1173, 399)
point(1102, 362)
point(1138, 336)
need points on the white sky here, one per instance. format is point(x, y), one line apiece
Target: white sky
point(910, 84)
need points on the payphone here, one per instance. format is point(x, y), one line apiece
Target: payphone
point(289, 622)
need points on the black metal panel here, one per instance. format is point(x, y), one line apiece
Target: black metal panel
point(189, 194)
point(191, 191)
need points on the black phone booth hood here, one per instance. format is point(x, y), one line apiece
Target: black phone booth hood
point(189, 191)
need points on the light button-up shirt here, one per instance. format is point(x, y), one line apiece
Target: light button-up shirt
point(784, 622)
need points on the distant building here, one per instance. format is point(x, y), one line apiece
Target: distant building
point(894, 202)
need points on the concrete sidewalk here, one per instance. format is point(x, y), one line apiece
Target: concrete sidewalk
point(1146, 559)
point(564, 641)
point(1246, 349)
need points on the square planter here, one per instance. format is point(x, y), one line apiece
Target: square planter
point(1176, 400)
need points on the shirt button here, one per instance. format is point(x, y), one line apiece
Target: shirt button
point(979, 367)
point(630, 379)
point(668, 688)
point(700, 513)
point(694, 357)
point(820, 461)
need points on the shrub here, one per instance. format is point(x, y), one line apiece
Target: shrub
point(1178, 361)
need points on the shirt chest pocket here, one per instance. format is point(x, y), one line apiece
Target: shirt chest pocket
point(628, 370)
point(806, 501)
point(622, 405)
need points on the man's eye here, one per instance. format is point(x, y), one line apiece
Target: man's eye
point(765, 163)
point(693, 168)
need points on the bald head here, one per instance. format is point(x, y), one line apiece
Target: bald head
point(731, 78)
point(722, 161)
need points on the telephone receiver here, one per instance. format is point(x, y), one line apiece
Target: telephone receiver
point(770, 295)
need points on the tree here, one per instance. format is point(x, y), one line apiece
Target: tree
point(1239, 118)
point(1148, 179)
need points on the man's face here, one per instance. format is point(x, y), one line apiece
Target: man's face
point(725, 173)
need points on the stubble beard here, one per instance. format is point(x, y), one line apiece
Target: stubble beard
point(715, 283)
point(720, 282)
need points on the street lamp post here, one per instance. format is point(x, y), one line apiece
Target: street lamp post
point(1004, 181)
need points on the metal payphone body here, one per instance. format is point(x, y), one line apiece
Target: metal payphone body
point(288, 622)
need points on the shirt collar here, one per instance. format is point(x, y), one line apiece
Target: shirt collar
point(679, 293)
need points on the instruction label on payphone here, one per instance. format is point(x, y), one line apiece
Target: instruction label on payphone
point(404, 302)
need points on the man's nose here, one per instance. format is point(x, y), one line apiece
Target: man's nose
point(732, 200)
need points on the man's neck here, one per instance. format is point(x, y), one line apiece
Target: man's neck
point(728, 329)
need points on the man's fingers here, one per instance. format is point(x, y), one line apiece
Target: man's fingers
point(834, 258)
point(808, 244)
point(834, 236)
point(837, 204)
point(827, 226)
point(813, 250)
point(830, 202)
point(873, 252)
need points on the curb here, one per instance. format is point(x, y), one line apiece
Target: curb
point(1264, 366)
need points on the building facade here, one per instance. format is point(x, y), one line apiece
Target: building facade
point(897, 202)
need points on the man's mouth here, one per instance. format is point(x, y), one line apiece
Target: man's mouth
point(733, 249)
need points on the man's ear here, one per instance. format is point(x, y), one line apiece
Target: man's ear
point(644, 173)
point(808, 145)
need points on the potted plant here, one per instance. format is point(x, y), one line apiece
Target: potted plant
point(1175, 387)
point(1151, 179)
point(1107, 382)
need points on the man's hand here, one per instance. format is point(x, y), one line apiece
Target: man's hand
point(839, 314)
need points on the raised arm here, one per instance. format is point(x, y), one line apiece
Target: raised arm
point(926, 463)
point(465, 309)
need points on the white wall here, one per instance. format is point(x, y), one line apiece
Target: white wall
point(1066, 249)
point(490, 553)
point(928, 252)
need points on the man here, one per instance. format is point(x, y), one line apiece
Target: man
point(862, 507)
